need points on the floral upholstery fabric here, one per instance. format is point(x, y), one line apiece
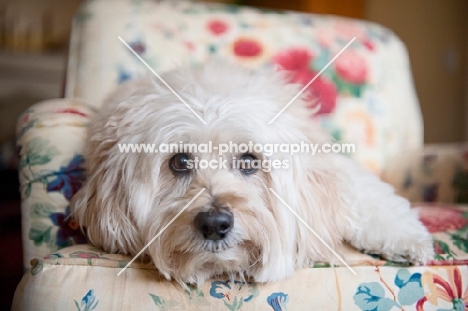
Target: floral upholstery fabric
point(437, 173)
point(51, 137)
point(78, 277)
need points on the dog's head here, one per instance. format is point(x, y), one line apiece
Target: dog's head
point(207, 220)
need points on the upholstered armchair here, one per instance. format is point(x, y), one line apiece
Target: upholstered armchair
point(366, 97)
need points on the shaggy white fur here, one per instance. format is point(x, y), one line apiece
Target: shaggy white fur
point(129, 197)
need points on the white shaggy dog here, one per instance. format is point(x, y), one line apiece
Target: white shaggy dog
point(237, 226)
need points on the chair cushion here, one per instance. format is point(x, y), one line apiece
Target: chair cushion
point(85, 278)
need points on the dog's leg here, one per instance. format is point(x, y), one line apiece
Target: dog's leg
point(382, 222)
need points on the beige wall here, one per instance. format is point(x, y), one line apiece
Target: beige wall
point(436, 34)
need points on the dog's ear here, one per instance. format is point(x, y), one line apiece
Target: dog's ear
point(313, 192)
point(102, 205)
point(118, 193)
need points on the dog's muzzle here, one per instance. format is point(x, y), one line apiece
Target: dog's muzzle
point(214, 225)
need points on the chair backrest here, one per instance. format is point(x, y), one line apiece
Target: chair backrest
point(367, 94)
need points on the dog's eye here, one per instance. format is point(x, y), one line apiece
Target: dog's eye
point(247, 165)
point(179, 163)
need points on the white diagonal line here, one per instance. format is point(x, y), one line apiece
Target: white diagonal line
point(313, 79)
point(312, 230)
point(162, 80)
point(160, 232)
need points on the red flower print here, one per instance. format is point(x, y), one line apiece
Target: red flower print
point(189, 45)
point(325, 37)
point(322, 91)
point(25, 118)
point(297, 59)
point(138, 47)
point(326, 93)
point(369, 45)
point(72, 111)
point(448, 262)
point(441, 219)
point(347, 30)
point(351, 67)
point(86, 255)
point(450, 290)
point(217, 27)
point(247, 48)
point(438, 249)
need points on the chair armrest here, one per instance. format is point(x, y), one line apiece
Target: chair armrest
point(437, 173)
point(50, 141)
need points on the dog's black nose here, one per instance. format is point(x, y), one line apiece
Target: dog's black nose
point(214, 225)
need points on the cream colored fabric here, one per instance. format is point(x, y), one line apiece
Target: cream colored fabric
point(82, 277)
point(437, 173)
point(50, 141)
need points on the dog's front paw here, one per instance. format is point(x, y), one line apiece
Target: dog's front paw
point(418, 253)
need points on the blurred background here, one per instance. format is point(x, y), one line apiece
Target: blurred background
point(34, 36)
